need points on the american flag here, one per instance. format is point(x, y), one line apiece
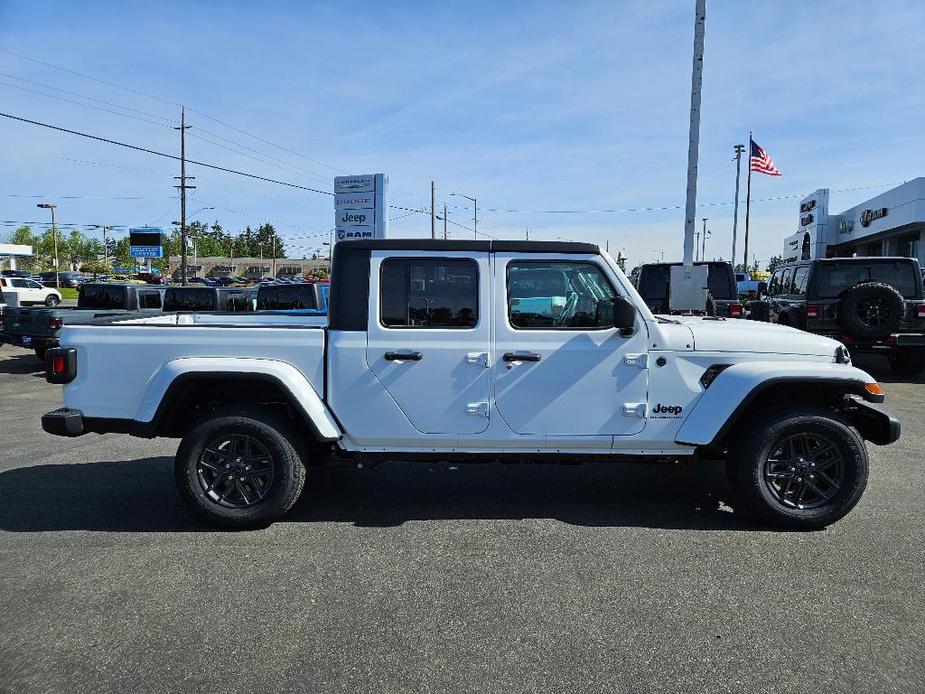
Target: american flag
point(761, 161)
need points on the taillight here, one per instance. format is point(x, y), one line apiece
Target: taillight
point(812, 311)
point(920, 311)
point(735, 310)
point(60, 365)
point(55, 323)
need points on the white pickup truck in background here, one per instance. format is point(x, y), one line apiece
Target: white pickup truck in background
point(475, 350)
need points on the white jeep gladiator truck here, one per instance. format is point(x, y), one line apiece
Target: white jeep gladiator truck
point(474, 351)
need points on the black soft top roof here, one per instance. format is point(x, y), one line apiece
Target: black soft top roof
point(463, 245)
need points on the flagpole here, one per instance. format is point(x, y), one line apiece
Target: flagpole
point(735, 215)
point(748, 200)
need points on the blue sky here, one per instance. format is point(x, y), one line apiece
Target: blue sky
point(526, 106)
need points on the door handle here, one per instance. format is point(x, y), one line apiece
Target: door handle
point(403, 356)
point(521, 356)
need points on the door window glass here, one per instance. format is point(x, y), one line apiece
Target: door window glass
point(774, 287)
point(785, 278)
point(799, 280)
point(20, 284)
point(428, 293)
point(558, 295)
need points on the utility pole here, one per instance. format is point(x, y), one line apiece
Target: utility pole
point(527, 233)
point(274, 255)
point(735, 215)
point(433, 211)
point(445, 235)
point(183, 188)
point(696, 245)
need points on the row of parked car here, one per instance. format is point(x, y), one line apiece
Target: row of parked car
point(38, 328)
point(867, 303)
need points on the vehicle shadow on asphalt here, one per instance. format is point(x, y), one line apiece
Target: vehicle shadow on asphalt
point(139, 496)
point(21, 362)
point(878, 367)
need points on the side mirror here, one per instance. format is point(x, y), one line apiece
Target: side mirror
point(624, 315)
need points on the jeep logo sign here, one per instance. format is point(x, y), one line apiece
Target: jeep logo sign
point(868, 216)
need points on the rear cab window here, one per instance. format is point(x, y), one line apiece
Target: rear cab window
point(833, 278)
point(190, 299)
point(428, 293)
point(558, 295)
point(102, 296)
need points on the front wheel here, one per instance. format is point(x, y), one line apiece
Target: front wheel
point(801, 469)
point(51, 301)
point(240, 468)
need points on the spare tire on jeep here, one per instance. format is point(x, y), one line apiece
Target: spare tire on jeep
point(870, 311)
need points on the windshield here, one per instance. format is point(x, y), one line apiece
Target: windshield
point(834, 278)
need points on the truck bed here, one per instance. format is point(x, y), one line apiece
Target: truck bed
point(142, 351)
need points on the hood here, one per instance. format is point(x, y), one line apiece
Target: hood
point(740, 335)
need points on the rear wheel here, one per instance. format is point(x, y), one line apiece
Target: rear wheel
point(240, 468)
point(40, 353)
point(801, 469)
point(907, 361)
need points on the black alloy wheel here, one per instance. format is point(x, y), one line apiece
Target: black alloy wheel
point(235, 471)
point(804, 470)
point(241, 467)
point(874, 313)
point(801, 467)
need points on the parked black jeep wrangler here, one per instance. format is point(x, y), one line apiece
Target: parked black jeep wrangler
point(654, 280)
point(869, 304)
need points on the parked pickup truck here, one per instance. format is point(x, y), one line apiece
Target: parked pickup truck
point(429, 353)
point(39, 328)
point(721, 297)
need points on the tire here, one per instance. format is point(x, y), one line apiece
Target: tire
point(759, 311)
point(40, 353)
point(870, 311)
point(243, 439)
point(51, 301)
point(778, 493)
point(907, 361)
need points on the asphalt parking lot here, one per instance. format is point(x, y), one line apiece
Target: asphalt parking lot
point(435, 578)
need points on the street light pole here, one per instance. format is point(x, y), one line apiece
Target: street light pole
point(703, 238)
point(54, 235)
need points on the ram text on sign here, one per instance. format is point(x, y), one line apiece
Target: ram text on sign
point(348, 233)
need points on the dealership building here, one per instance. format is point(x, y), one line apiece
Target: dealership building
point(892, 223)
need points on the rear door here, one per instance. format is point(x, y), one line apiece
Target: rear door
point(429, 336)
point(561, 369)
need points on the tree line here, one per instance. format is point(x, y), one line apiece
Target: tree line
point(78, 251)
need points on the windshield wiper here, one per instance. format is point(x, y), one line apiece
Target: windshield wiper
point(662, 319)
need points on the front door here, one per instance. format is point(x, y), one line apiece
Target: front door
point(429, 337)
point(561, 369)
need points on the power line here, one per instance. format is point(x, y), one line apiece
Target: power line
point(164, 154)
point(166, 101)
